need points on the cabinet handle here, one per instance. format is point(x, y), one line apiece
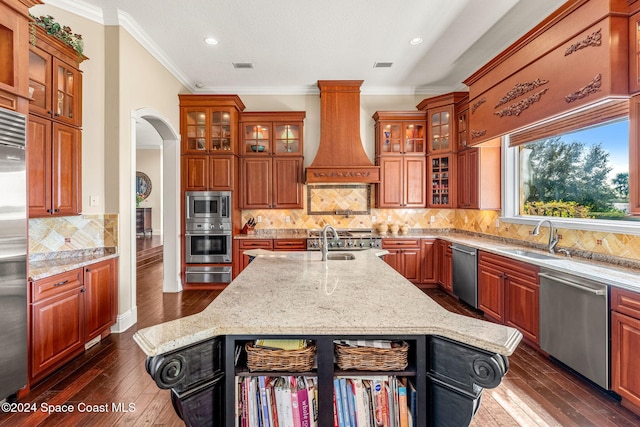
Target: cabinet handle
point(49, 210)
point(88, 270)
point(64, 282)
point(83, 290)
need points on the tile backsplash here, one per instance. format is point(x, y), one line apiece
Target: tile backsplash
point(72, 233)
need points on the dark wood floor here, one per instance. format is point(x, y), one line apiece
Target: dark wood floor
point(535, 391)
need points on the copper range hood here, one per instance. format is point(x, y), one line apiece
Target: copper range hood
point(341, 157)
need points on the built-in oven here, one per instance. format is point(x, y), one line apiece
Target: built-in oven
point(208, 242)
point(208, 205)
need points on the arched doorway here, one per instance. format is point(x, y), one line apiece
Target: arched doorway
point(170, 197)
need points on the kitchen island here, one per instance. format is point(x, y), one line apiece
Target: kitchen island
point(294, 294)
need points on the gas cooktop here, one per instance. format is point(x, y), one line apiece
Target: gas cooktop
point(351, 239)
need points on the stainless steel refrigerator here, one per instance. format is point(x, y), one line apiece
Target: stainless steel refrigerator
point(13, 253)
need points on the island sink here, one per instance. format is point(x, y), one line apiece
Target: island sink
point(340, 256)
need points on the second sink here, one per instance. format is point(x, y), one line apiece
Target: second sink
point(340, 256)
point(529, 254)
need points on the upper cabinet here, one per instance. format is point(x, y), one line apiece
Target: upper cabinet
point(14, 39)
point(272, 133)
point(441, 122)
point(54, 148)
point(209, 123)
point(400, 132)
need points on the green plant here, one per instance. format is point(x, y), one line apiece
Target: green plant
point(58, 31)
point(139, 199)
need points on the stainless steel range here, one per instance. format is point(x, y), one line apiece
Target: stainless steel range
point(356, 239)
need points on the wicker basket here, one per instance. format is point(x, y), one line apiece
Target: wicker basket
point(264, 359)
point(372, 358)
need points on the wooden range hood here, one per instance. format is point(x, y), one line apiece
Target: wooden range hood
point(341, 157)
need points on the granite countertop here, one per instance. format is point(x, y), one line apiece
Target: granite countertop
point(610, 271)
point(45, 265)
point(295, 293)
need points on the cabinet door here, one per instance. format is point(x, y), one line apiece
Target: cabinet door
point(491, 291)
point(39, 166)
point(67, 93)
point(441, 130)
point(57, 330)
point(66, 170)
point(99, 282)
point(287, 182)
point(393, 258)
point(411, 261)
point(195, 171)
point(241, 260)
point(442, 180)
point(391, 181)
point(195, 130)
point(221, 173)
point(634, 53)
point(625, 363)
point(427, 267)
point(256, 183)
point(40, 81)
point(522, 306)
point(415, 182)
point(448, 270)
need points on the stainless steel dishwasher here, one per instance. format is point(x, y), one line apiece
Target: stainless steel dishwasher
point(465, 273)
point(574, 323)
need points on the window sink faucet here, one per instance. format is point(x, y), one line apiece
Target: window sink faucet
point(325, 245)
point(553, 235)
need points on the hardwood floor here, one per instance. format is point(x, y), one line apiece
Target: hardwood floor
point(535, 391)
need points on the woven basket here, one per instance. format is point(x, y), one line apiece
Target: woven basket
point(372, 358)
point(264, 359)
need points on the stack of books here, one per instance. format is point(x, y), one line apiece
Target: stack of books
point(284, 401)
point(375, 401)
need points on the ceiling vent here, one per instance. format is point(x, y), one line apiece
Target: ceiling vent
point(382, 64)
point(242, 64)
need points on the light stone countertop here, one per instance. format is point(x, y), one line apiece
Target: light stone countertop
point(43, 266)
point(295, 293)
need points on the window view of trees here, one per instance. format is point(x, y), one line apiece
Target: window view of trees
point(573, 176)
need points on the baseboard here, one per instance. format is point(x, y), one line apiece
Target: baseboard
point(125, 321)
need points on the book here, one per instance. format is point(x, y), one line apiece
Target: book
point(304, 406)
point(295, 404)
point(351, 402)
point(312, 392)
point(283, 402)
point(362, 403)
point(338, 397)
point(402, 405)
point(264, 402)
point(344, 395)
point(412, 396)
point(281, 344)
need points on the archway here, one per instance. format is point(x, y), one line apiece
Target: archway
point(170, 198)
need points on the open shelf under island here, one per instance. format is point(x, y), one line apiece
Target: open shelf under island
point(451, 358)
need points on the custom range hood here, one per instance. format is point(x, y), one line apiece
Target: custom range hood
point(341, 157)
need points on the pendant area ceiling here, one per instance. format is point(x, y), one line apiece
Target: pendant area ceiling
point(291, 44)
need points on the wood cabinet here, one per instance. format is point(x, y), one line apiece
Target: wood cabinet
point(508, 293)
point(625, 344)
point(405, 257)
point(289, 244)
point(101, 297)
point(66, 311)
point(143, 221)
point(54, 149)
point(54, 154)
point(444, 260)
point(272, 164)
point(478, 182)
point(208, 173)
point(428, 271)
point(400, 153)
point(240, 260)
point(56, 322)
point(14, 39)
point(442, 180)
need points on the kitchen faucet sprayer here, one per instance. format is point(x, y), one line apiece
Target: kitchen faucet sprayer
point(553, 234)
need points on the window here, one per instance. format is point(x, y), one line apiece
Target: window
point(575, 169)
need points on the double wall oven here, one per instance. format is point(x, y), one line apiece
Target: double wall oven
point(208, 236)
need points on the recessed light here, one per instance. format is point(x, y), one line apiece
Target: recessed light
point(210, 40)
point(416, 40)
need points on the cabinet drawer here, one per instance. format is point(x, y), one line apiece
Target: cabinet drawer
point(256, 244)
point(400, 243)
point(510, 266)
point(627, 302)
point(290, 244)
point(55, 285)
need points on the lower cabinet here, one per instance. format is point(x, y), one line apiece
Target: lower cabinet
point(240, 260)
point(405, 257)
point(444, 262)
point(68, 310)
point(428, 271)
point(508, 293)
point(625, 345)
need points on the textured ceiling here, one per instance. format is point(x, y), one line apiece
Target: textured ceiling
point(294, 43)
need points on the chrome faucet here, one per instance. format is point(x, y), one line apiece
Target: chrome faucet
point(325, 245)
point(553, 234)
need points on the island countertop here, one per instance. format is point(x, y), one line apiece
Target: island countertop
point(295, 293)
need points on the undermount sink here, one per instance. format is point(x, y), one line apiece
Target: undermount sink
point(529, 254)
point(340, 257)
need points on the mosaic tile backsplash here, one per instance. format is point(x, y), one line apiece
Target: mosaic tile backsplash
point(72, 233)
point(602, 243)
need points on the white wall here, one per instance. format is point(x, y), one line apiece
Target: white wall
point(149, 161)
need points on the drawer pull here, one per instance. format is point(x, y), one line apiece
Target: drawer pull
point(64, 282)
